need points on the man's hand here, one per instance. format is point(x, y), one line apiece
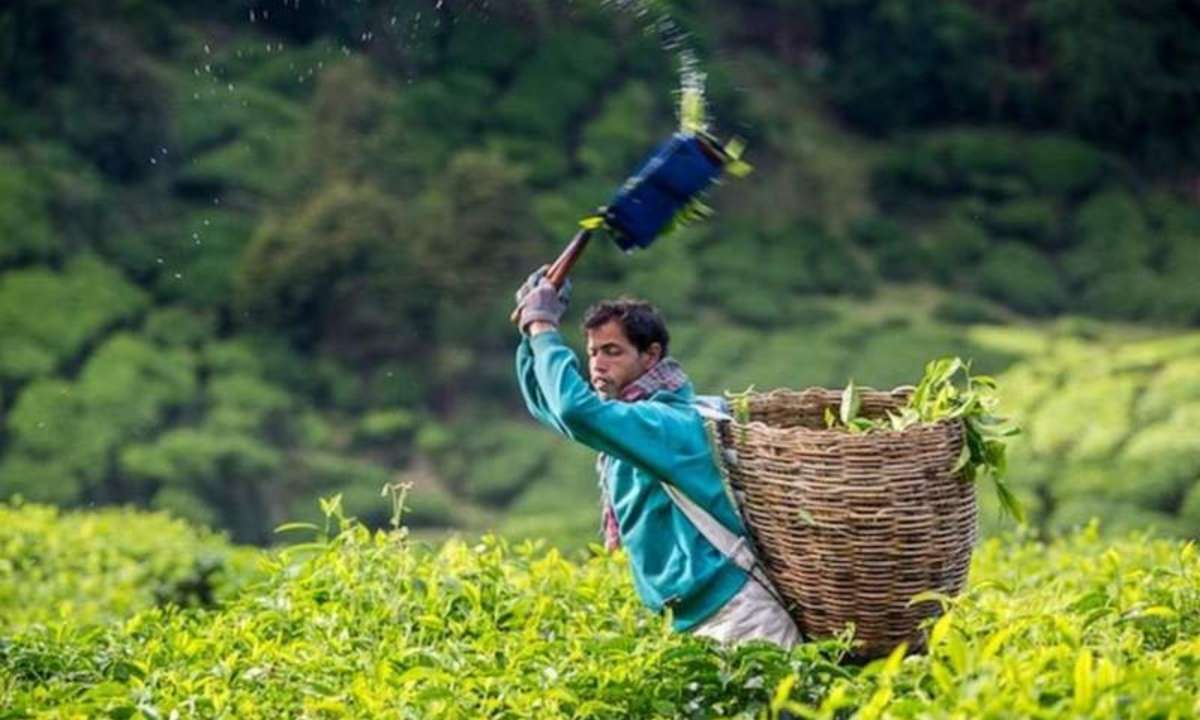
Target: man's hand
point(530, 283)
point(542, 305)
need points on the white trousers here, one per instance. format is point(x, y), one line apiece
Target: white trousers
point(751, 614)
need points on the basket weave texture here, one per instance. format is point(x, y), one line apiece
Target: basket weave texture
point(851, 526)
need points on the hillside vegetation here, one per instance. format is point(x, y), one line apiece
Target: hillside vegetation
point(252, 254)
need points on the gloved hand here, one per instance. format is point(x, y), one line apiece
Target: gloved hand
point(544, 303)
point(564, 293)
point(530, 282)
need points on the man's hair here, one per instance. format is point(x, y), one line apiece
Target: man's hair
point(639, 319)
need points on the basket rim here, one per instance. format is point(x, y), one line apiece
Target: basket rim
point(900, 391)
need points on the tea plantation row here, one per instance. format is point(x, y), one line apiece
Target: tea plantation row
point(370, 625)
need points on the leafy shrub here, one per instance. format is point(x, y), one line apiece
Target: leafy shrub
point(386, 426)
point(954, 244)
point(1111, 234)
point(875, 231)
point(908, 172)
point(99, 567)
point(116, 108)
point(1089, 46)
point(623, 132)
point(967, 310)
point(1063, 166)
point(1032, 219)
point(481, 46)
point(124, 391)
point(25, 228)
point(555, 85)
point(174, 325)
point(377, 625)
point(1023, 279)
point(902, 63)
point(516, 454)
point(1124, 295)
point(74, 307)
point(201, 259)
point(1173, 386)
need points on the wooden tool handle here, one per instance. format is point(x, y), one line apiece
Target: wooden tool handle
point(557, 274)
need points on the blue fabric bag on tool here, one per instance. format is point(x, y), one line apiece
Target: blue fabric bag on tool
point(673, 176)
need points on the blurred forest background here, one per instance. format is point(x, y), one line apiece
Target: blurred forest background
point(255, 253)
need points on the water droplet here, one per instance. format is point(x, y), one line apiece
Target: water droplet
point(207, 50)
point(252, 18)
point(178, 276)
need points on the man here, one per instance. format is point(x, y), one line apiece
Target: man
point(640, 412)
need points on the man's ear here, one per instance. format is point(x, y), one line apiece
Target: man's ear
point(654, 352)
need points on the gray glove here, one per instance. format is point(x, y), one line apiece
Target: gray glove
point(564, 293)
point(544, 303)
point(530, 282)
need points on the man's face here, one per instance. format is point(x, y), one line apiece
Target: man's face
point(613, 361)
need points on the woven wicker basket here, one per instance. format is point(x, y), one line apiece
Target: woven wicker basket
point(852, 526)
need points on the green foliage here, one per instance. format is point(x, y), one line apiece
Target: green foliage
point(1112, 420)
point(73, 307)
point(1063, 166)
point(124, 391)
point(100, 567)
point(967, 310)
point(556, 84)
point(1031, 219)
point(320, 216)
point(372, 625)
point(904, 62)
point(955, 243)
point(176, 326)
point(1022, 278)
point(305, 269)
point(25, 229)
point(626, 128)
point(1092, 44)
point(1113, 235)
point(386, 426)
point(116, 108)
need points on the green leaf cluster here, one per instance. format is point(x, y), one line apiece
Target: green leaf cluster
point(947, 392)
point(360, 624)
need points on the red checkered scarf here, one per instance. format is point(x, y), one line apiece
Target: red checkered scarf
point(666, 374)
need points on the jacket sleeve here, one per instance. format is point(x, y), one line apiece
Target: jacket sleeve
point(634, 432)
point(534, 400)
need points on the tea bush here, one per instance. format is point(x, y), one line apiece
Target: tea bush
point(367, 625)
point(94, 567)
point(1114, 417)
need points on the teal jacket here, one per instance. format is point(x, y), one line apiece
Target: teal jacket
point(664, 436)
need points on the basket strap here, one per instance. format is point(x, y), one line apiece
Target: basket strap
point(735, 547)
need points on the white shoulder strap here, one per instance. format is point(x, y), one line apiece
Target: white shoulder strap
point(732, 546)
